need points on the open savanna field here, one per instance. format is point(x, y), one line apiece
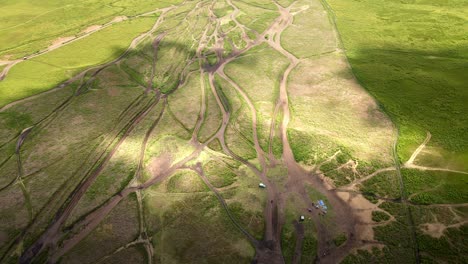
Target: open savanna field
point(137, 131)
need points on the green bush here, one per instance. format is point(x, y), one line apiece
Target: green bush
point(379, 216)
point(340, 240)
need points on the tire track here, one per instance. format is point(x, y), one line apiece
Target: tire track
point(49, 237)
point(297, 176)
point(299, 229)
point(404, 201)
point(199, 170)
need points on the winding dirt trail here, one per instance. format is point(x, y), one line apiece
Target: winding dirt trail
point(50, 236)
point(418, 150)
point(299, 229)
point(424, 168)
point(271, 250)
point(199, 170)
point(143, 235)
point(410, 163)
point(353, 184)
point(69, 40)
point(19, 143)
point(58, 241)
point(345, 218)
point(97, 69)
point(82, 228)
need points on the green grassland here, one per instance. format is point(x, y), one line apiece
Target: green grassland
point(310, 26)
point(256, 15)
point(47, 71)
point(396, 236)
point(426, 187)
point(319, 82)
point(411, 55)
point(383, 185)
point(289, 236)
point(257, 74)
point(153, 158)
point(30, 26)
point(123, 223)
point(213, 240)
point(355, 130)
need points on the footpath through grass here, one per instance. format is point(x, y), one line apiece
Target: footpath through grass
point(412, 57)
point(45, 72)
point(27, 26)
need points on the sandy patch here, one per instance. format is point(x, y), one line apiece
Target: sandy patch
point(91, 29)
point(56, 43)
point(97, 27)
point(5, 62)
point(159, 165)
point(363, 211)
point(329, 183)
point(433, 229)
point(119, 19)
point(6, 57)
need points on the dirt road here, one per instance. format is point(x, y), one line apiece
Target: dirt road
point(57, 241)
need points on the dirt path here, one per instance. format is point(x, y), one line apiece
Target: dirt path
point(19, 143)
point(271, 252)
point(299, 229)
point(60, 241)
point(143, 235)
point(446, 205)
point(201, 115)
point(404, 201)
point(82, 228)
point(410, 163)
point(419, 149)
point(155, 46)
point(424, 168)
point(49, 237)
point(63, 41)
point(271, 249)
point(272, 132)
point(199, 170)
point(97, 68)
point(353, 184)
point(345, 218)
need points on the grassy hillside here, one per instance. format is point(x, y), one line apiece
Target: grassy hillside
point(412, 56)
point(28, 26)
point(47, 71)
point(158, 156)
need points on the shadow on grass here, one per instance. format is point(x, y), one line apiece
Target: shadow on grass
point(421, 91)
point(71, 133)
